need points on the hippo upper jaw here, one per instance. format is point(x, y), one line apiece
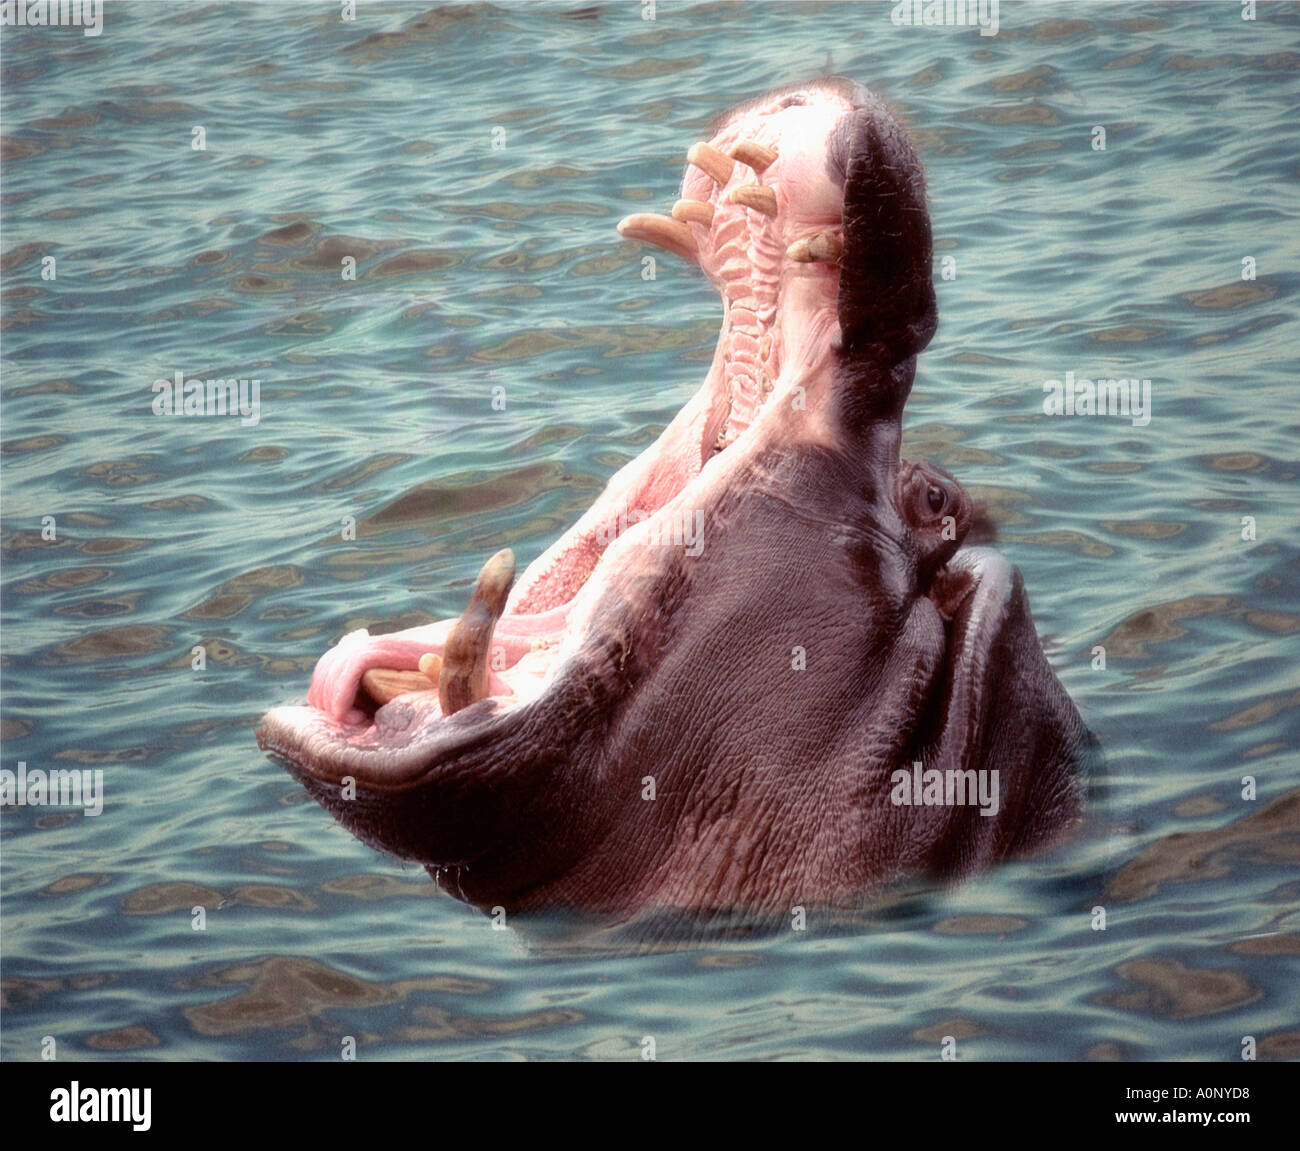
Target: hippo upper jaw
point(773, 384)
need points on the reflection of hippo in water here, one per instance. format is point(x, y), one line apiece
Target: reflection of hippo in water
point(782, 680)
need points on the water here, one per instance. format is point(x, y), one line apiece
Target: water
point(483, 268)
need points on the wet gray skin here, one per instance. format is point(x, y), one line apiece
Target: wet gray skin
point(728, 720)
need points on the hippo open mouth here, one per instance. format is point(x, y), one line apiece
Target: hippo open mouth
point(761, 670)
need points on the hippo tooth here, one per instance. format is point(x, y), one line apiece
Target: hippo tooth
point(464, 676)
point(431, 665)
point(826, 247)
point(756, 155)
point(820, 248)
point(383, 684)
point(661, 231)
point(708, 159)
point(801, 251)
point(755, 196)
point(693, 212)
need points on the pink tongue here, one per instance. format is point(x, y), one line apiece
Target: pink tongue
point(337, 678)
point(338, 673)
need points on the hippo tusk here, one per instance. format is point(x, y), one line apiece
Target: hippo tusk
point(756, 155)
point(672, 235)
point(693, 212)
point(464, 676)
point(755, 196)
point(822, 248)
point(708, 159)
point(384, 684)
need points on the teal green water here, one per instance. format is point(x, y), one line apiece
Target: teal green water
point(483, 267)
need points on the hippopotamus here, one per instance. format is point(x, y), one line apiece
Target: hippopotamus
point(765, 669)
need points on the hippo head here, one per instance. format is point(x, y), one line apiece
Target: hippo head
point(762, 670)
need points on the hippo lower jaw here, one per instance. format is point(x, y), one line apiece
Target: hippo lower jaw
point(699, 694)
point(408, 738)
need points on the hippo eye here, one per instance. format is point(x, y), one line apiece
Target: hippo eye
point(937, 497)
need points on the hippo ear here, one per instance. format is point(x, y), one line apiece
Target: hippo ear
point(887, 309)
